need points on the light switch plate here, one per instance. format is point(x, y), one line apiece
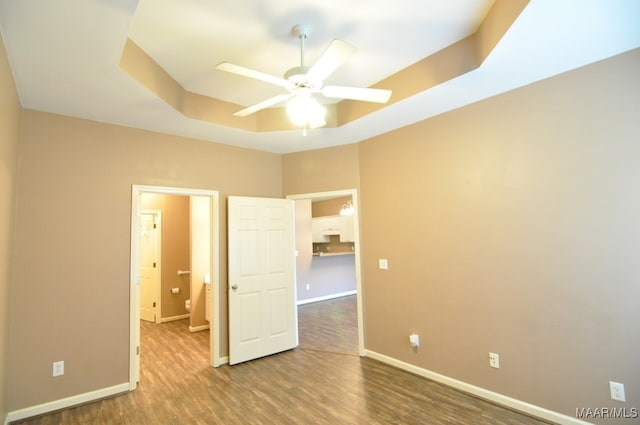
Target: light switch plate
point(383, 264)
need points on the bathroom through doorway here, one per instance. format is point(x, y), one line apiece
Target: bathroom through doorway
point(191, 283)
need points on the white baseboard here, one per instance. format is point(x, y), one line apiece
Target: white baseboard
point(327, 297)
point(198, 328)
point(64, 403)
point(174, 318)
point(223, 360)
point(479, 392)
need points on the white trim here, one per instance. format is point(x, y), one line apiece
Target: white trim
point(134, 313)
point(327, 297)
point(503, 400)
point(64, 403)
point(198, 328)
point(356, 243)
point(174, 318)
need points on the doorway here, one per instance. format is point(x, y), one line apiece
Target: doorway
point(211, 225)
point(353, 194)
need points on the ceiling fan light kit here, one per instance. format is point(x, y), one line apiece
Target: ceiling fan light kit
point(302, 82)
point(305, 111)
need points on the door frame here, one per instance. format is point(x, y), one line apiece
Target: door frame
point(134, 308)
point(356, 241)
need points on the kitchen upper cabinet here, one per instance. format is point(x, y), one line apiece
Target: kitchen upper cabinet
point(323, 227)
point(317, 233)
point(347, 233)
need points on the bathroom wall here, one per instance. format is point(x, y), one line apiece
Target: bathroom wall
point(175, 250)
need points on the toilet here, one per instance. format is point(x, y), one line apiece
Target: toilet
point(187, 305)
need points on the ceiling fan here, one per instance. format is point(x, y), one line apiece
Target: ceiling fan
point(301, 82)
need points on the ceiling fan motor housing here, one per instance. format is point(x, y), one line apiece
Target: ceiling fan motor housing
point(298, 76)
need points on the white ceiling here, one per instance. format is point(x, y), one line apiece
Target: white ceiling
point(65, 55)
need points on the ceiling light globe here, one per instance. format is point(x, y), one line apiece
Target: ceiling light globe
point(304, 110)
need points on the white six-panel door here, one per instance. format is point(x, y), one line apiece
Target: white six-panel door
point(262, 300)
point(149, 265)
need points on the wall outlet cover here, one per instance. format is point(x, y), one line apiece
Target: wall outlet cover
point(58, 368)
point(494, 360)
point(617, 391)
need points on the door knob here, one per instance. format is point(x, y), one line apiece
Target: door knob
point(234, 286)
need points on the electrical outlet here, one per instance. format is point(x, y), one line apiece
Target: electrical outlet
point(58, 368)
point(308, 286)
point(617, 391)
point(494, 360)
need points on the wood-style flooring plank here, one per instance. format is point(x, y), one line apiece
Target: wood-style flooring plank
point(323, 381)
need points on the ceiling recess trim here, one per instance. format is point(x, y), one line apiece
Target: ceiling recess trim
point(453, 61)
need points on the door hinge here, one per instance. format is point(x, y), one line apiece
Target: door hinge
point(137, 350)
point(154, 225)
point(154, 303)
point(154, 265)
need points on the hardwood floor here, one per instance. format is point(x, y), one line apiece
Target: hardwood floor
point(323, 381)
point(330, 326)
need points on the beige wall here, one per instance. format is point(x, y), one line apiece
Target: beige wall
point(303, 247)
point(320, 170)
point(329, 206)
point(175, 249)
point(514, 227)
point(512, 223)
point(9, 121)
point(72, 242)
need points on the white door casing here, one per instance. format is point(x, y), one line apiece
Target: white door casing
point(356, 239)
point(262, 299)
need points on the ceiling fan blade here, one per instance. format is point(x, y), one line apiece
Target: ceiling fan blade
point(262, 105)
point(246, 72)
point(334, 56)
point(357, 93)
